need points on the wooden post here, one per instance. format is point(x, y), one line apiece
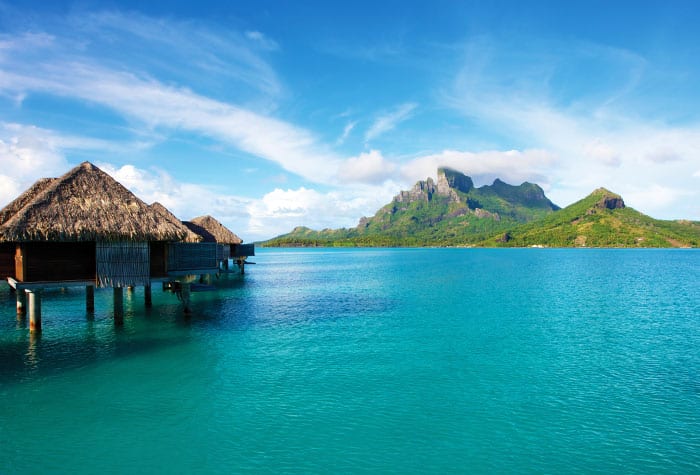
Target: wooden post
point(21, 297)
point(185, 293)
point(34, 297)
point(118, 306)
point(147, 295)
point(89, 298)
point(226, 264)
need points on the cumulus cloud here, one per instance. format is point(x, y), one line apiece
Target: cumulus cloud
point(279, 211)
point(26, 154)
point(275, 213)
point(366, 168)
point(389, 121)
point(157, 185)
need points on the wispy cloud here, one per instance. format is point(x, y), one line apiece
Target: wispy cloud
point(159, 46)
point(147, 101)
point(346, 132)
point(390, 120)
point(262, 40)
point(595, 140)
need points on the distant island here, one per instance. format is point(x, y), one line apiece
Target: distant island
point(453, 212)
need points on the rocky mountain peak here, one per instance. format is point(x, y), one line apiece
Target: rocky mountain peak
point(608, 199)
point(449, 179)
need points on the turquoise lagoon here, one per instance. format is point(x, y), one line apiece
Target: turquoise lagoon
point(370, 360)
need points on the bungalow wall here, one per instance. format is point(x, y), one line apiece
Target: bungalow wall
point(242, 250)
point(159, 258)
point(199, 256)
point(54, 261)
point(7, 260)
point(121, 264)
point(223, 252)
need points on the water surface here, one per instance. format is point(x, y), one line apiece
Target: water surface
point(373, 360)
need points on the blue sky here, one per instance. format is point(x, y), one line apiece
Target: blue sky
point(270, 115)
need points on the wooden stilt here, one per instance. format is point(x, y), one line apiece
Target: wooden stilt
point(185, 292)
point(89, 298)
point(225, 264)
point(21, 297)
point(34, 297)
point(147, 295)
point(118, 306)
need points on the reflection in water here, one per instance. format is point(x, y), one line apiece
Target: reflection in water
point(33, 358)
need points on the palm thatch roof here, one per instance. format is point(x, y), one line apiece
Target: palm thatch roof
point(20, 202)
point(212, 231)
point(85, 204)
point(167, 214)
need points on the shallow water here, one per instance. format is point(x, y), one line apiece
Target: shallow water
point(374, 360)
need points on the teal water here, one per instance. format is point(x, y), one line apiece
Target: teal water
point(379, 360)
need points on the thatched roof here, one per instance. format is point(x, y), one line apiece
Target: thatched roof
point(20, 202)
point(85, 204)
point(167, 214)
point(212, 230)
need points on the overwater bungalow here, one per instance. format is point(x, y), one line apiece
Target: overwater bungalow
point(86, 229)
point(228, 244)
point(207, 249)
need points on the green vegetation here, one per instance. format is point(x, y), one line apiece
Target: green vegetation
point(592, 222)
point(454, 213)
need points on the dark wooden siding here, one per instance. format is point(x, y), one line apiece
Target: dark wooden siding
point(242, 250)
point(159, 259)
point(7, 260)
point(55, 261)
point(183, 256)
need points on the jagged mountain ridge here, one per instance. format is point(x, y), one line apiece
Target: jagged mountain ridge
point(438, 212)
point(452, 212)
point(454, 195)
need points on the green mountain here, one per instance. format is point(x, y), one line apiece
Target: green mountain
point(599, 220)
point(452, 212)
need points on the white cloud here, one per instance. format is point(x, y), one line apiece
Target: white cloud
point(483, 167)
point(654, 197)
point(158, 105)
point(603, 153)
point(389, 121)
point(157, 185)
point(50, 65)
point(26, 154)
point(280, 211)
point(366, 168)
point(275, 213)
point(346, 132)
point(210, 52)
point(262, 40)
point(597, 142)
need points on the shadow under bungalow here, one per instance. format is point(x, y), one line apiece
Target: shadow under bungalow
point(86, 229)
